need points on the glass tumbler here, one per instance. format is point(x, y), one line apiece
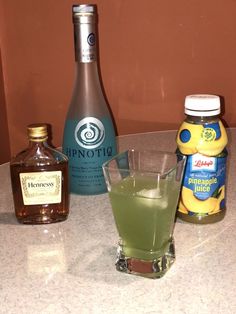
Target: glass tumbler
point(144, 188)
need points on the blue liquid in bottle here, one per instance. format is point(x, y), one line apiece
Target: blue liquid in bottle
point(89, 135)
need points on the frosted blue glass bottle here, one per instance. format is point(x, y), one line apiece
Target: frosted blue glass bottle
point(89, 134)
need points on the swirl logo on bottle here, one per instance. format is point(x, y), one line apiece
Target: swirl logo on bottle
point(89, 133)
point(91, 39)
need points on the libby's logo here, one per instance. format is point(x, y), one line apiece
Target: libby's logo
point(200, 162)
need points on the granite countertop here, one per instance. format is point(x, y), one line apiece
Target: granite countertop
point(69, 267)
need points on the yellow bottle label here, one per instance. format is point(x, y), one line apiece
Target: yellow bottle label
point(41, 187)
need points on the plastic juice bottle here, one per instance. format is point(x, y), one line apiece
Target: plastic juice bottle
point(203, 138)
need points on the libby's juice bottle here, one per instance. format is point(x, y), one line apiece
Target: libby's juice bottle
point(203, 138)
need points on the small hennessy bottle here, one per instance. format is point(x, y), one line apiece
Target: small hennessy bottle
point(39, 177)
point(89, 135)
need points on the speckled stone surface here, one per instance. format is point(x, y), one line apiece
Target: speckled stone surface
point(69, 267)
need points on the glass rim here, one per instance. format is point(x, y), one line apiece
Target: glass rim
point(140, 171)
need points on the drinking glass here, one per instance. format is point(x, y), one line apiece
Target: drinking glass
point(144, 188)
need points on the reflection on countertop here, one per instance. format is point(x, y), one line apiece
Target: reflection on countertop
point(46, 257)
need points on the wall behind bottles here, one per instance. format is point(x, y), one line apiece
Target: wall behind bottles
point(152, 54)
point(4, 135)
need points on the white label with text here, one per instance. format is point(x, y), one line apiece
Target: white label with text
point(41, 187)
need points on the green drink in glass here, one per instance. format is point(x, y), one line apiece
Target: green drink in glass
point(144, 190)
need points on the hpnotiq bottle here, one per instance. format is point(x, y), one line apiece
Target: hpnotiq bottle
point(203, 138)
point(39, 177)
point(89, 135)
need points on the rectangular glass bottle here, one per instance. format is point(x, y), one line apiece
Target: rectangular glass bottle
point(39, 177)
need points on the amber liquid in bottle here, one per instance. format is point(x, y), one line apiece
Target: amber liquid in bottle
point(39, 177)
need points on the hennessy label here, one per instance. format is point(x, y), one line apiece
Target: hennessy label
point(41, 187)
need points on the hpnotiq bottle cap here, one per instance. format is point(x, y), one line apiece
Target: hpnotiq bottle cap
point(84, 8)
point(37, 131)
point(202, 105)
